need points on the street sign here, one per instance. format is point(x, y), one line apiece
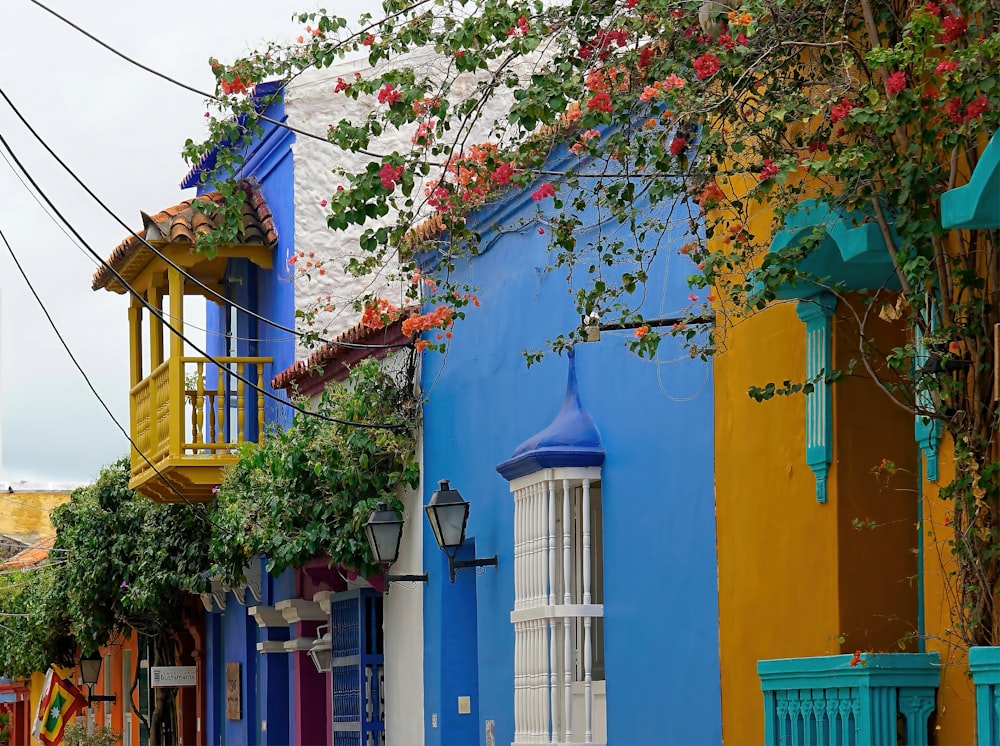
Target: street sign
point(173, 676)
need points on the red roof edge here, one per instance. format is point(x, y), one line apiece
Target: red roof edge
point(334, 360)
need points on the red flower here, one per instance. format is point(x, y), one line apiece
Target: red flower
point(856, 658)
point(368, 40)
point(953, 27)
point(976, 107)
point(600, 102)
point(895, 83)
point(677, 145)
point(341, 86)
point(840, 111)
point(502, 174)
point(389, 95)
point(389, 175)
point(954, 109)
point(768, 169)
point(933, 9)
point(946, 67)
point(641, 332)
point(706, 66)
point(543, 191)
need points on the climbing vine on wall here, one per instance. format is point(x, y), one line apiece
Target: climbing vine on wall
point(308, 490)
point(725, 116)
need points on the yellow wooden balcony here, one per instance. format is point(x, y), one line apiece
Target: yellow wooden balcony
point(189, 417)
point(189, 414)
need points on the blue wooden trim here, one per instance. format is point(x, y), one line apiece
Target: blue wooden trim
point(817, 313)
point(977, 204)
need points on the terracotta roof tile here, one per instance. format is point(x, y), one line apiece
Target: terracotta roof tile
point(32, 556)
point(333, 361)
point(180, 224)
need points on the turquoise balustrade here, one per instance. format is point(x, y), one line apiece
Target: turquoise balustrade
point(984, 663)
point(825, 701)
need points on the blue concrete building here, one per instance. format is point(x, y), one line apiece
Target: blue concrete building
point(635, 437)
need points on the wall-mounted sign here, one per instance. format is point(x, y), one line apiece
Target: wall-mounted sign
point(234, 701)
point(173, 676)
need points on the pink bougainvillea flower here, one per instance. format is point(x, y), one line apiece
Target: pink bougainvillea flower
point(543, 191)
point(600, 102)
point(674, 81)
point(389, 175)
point(952, 28)
point(976, 107)
point(322, 203)
point(389, 95)
point(840, 111)
point(706, 66)
point(895, 83)
point(946, 67)
point(768, 169)
point(501, 175)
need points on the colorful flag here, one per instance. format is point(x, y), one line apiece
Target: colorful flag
point(59, 702)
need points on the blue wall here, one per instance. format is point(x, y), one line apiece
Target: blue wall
point(655, 418)
point(268, 691)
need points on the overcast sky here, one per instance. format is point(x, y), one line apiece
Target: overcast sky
point(121, 130)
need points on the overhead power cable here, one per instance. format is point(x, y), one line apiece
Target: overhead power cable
point(173, 330)
point(181, 84)
point(76, 363)
point(208, 290)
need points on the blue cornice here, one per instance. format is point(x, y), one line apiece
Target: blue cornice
point(261, 97)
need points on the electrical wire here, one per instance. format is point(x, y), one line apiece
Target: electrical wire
point(208, 290)
point(76, 363)
point(176, 332)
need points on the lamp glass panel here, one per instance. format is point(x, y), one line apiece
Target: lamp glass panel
point(448, 523)
point(90, 670)
point(321, 656)
point(384, 539)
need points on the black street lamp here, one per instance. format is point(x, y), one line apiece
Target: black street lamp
point(448, 515)
point(90, 672)
point(385, 533)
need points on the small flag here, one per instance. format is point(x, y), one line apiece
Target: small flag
point(59, 702)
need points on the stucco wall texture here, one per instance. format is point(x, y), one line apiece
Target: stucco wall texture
point(311, 105)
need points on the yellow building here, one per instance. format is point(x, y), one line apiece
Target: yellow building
point(832, 538)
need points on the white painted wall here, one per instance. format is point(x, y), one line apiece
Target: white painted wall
point(311, 105)
point(404, 636)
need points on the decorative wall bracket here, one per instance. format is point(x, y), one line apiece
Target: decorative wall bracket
point(817, 313)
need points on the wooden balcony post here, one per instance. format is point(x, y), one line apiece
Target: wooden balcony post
point(155, 297)
point(135, 372)
point(175, 375)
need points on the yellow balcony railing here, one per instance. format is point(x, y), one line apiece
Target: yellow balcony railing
point(189, 417)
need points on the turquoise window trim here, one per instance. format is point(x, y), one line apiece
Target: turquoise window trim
point(977, 204)
point(817, 313)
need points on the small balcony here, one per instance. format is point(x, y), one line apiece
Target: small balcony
point(841, 700)
point(189, 417)
point(189, 414)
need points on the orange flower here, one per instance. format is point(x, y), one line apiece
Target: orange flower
point(641, 332)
